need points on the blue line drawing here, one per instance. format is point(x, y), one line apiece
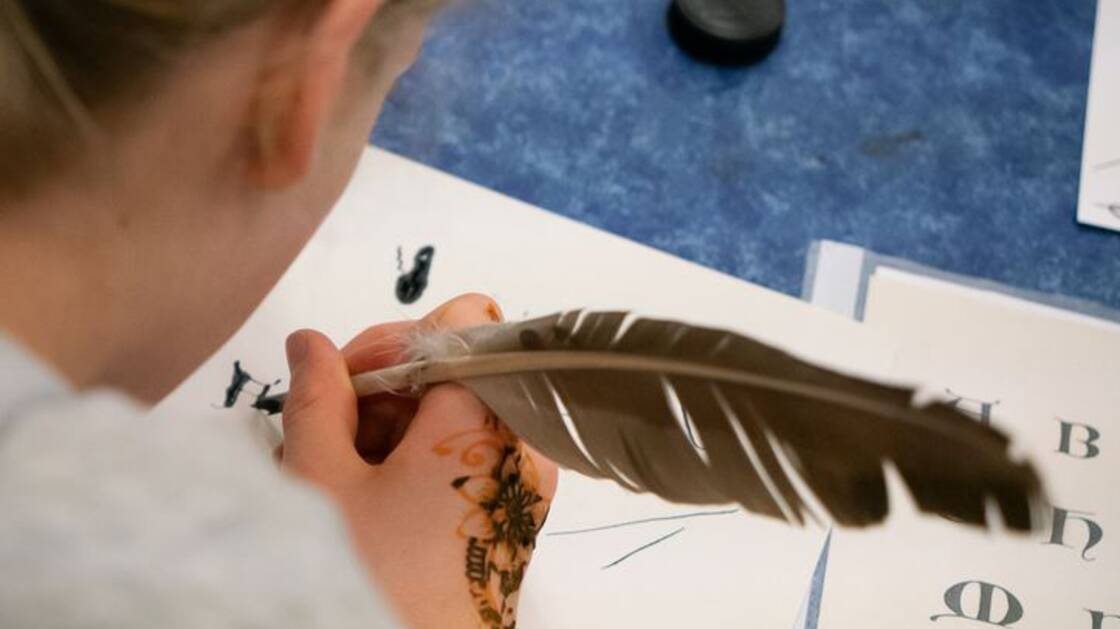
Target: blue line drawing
point(811, 610)
point(643, 547)
point(667, 518)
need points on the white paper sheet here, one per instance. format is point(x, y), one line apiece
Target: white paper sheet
point(1100, 167)
point(1049, 378)
point(720, 570)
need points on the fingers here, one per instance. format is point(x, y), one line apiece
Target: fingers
point(465, 311)
point(382, 422)
point(386, 345)
point(384, 419)
point(446, 409)
point(379, 347)
point(320, 414)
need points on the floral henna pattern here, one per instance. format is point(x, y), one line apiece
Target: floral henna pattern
point(503, 520)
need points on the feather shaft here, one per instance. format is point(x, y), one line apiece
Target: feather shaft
point(419, 374)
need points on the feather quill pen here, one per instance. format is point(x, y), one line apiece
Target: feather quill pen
point(705, 416)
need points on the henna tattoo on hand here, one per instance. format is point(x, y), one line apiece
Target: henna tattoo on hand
point(506, 514)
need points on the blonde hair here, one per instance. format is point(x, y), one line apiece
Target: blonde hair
point(63, 61)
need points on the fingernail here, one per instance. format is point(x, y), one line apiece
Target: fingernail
point(296, 347)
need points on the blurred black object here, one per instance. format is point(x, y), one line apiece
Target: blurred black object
point(727, 32)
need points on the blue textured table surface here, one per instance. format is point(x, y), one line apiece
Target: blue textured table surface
point(944, 131)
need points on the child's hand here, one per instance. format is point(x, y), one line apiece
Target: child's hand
point(443, 502)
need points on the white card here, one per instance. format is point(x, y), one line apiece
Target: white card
point(1100, 166)
point(1044, 375)
point(723, 570)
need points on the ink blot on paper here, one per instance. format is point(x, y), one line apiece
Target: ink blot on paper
point(411, 285)
point(241, 380)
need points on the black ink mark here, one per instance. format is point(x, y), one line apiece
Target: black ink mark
point(1109, 164)
point(236, 384)
point(411, 285)
point(273, 405)
point(242, 379)
point(643, 547)
point(668, 518)
point(1113, 208)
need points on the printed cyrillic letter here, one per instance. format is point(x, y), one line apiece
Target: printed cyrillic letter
point(954, 600)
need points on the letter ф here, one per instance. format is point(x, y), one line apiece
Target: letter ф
point(954, 600)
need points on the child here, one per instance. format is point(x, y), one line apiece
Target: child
point(161, 164)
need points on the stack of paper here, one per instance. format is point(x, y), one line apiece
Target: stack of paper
point(1100, 165)
point(1044, 374)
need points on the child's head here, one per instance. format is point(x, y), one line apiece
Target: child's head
point(68, 66)
point(195, 144)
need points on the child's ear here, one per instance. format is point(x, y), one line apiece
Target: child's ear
point(295, 97)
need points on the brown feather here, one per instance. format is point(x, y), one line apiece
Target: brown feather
point(760, 414)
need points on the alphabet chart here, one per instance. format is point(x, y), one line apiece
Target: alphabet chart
point(1049, 378)
point(1100, 165)
point(606, 558)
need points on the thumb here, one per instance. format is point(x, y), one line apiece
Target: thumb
point(320, 413)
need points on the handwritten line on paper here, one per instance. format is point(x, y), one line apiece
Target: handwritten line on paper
point(411, 285)
point(667, 518)
point(643, 547)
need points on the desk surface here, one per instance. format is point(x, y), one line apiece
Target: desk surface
point(946, 132)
